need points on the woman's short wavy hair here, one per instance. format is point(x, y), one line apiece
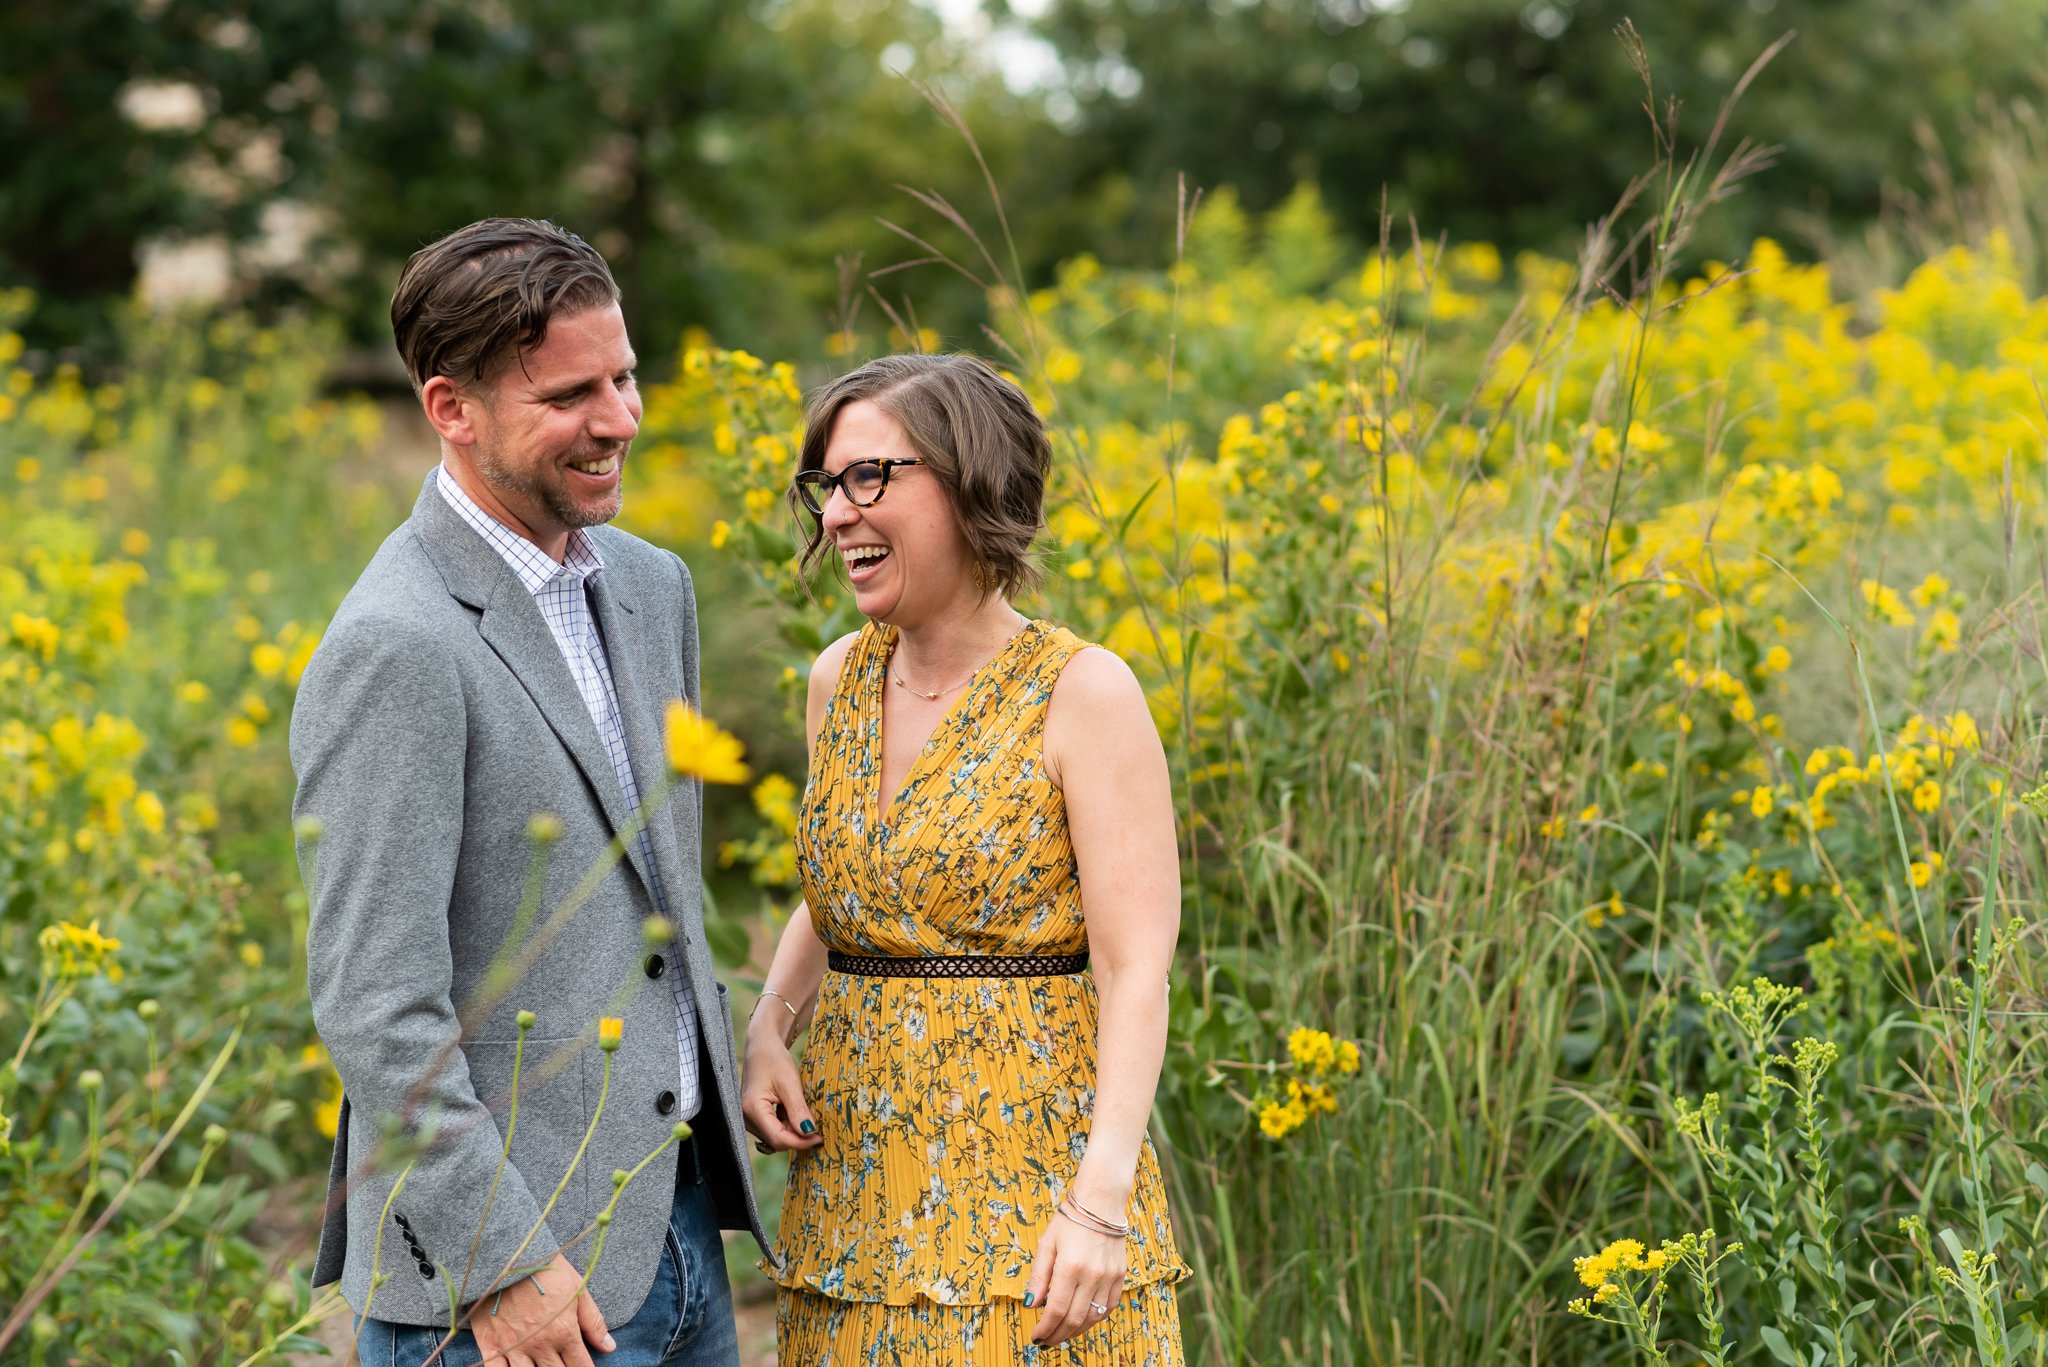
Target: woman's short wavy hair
point(978, 435)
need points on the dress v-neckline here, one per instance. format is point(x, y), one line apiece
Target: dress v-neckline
point(880, 688)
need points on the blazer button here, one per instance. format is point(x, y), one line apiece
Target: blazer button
point(656, 965)
point(403, 1223)
point(426, 1269)
point(665, 1103)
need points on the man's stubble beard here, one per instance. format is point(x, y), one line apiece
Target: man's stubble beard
point(551, 497)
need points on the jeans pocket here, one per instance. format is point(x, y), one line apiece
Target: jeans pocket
point(411, 1346)
point(678, 1265)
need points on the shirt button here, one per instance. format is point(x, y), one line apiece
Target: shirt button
point(665, 1103)
point(655, 965)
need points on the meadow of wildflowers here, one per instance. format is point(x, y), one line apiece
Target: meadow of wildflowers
point(1602, 706)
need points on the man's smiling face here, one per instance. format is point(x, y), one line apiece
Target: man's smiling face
point(552, 427)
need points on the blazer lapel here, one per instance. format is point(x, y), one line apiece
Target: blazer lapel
point(512, 626)
point(643, 695)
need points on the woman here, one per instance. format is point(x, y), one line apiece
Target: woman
point(987, 853)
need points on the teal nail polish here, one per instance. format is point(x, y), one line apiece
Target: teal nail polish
point(1028, 1299)
point(808, 1128)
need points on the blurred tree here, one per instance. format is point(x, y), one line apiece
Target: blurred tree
point(125, 121)
point(1517, 121)
point(723, 155)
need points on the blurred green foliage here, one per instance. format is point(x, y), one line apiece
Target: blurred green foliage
point(1519, 121)
point(733, 159)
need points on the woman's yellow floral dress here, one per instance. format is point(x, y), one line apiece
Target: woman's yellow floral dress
point(954, 1111)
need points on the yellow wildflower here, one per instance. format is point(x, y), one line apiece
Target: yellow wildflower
point(1275, 1120)
point(610, 1031)
point(698, 748)
point(75, 951)
point(775, 799)
point(1927, 797)
point(1312, 1050)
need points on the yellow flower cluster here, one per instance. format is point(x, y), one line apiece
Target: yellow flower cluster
point(1925, 752)
point(1315, 1055)
point(75, 951)
point(771, 852)
point(1316, 1052)
point(1623, 1255)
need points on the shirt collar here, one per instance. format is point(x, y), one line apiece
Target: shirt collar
point(535, 568)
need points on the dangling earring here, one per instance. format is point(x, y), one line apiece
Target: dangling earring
point(984, 577)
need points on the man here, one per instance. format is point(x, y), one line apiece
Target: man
point(494, 686)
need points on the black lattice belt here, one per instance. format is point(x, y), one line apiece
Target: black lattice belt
point(957, 965)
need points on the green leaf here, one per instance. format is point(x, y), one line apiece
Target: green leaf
point(727, 938)
point(1781, 1347)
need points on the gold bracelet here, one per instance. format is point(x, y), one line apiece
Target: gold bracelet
point(766, 993)
point(1102, 1220)
point(1093, 1224)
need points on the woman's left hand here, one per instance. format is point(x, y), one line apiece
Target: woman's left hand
point(1074, 1271)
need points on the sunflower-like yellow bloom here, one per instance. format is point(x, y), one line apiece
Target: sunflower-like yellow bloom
point(699, 748)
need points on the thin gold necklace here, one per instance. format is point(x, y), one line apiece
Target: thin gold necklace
point(934, 697)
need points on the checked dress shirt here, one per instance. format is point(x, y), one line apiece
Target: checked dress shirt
point(558, 591)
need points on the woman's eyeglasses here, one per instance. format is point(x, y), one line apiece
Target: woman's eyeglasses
point(862, 481)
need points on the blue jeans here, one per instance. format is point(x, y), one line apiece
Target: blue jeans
point(686, 1320)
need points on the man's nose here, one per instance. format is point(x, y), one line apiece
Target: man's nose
point(617, 417)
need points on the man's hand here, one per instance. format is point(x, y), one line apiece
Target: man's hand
point(532, 1329)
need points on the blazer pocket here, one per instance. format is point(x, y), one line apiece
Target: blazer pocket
point(558, 1085)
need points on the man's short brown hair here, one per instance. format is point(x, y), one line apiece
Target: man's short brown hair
point(466, 302)
point(978, 435)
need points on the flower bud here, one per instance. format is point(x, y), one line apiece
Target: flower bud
point(525, 1020)
point(610, 1030)
point(657, 931)
point(147, 1008)
point(620, 1177)
point(604, 1217)
point(44, 1327)
point(680, 1132)
point(309, 829)
point(215, 1136)
point(544, 828)
point(91, 1080)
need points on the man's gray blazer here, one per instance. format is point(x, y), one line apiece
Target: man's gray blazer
point(436, 719)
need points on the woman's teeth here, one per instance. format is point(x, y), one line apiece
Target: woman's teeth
point(858, 556)
point(597, 467)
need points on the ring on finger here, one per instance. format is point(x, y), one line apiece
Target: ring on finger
point(1098, 1307)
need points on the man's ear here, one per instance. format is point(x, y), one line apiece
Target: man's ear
point(451, 410)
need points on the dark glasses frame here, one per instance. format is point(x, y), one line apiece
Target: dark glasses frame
point(814, 487)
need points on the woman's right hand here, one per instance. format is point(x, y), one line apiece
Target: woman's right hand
point(772, 1092)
